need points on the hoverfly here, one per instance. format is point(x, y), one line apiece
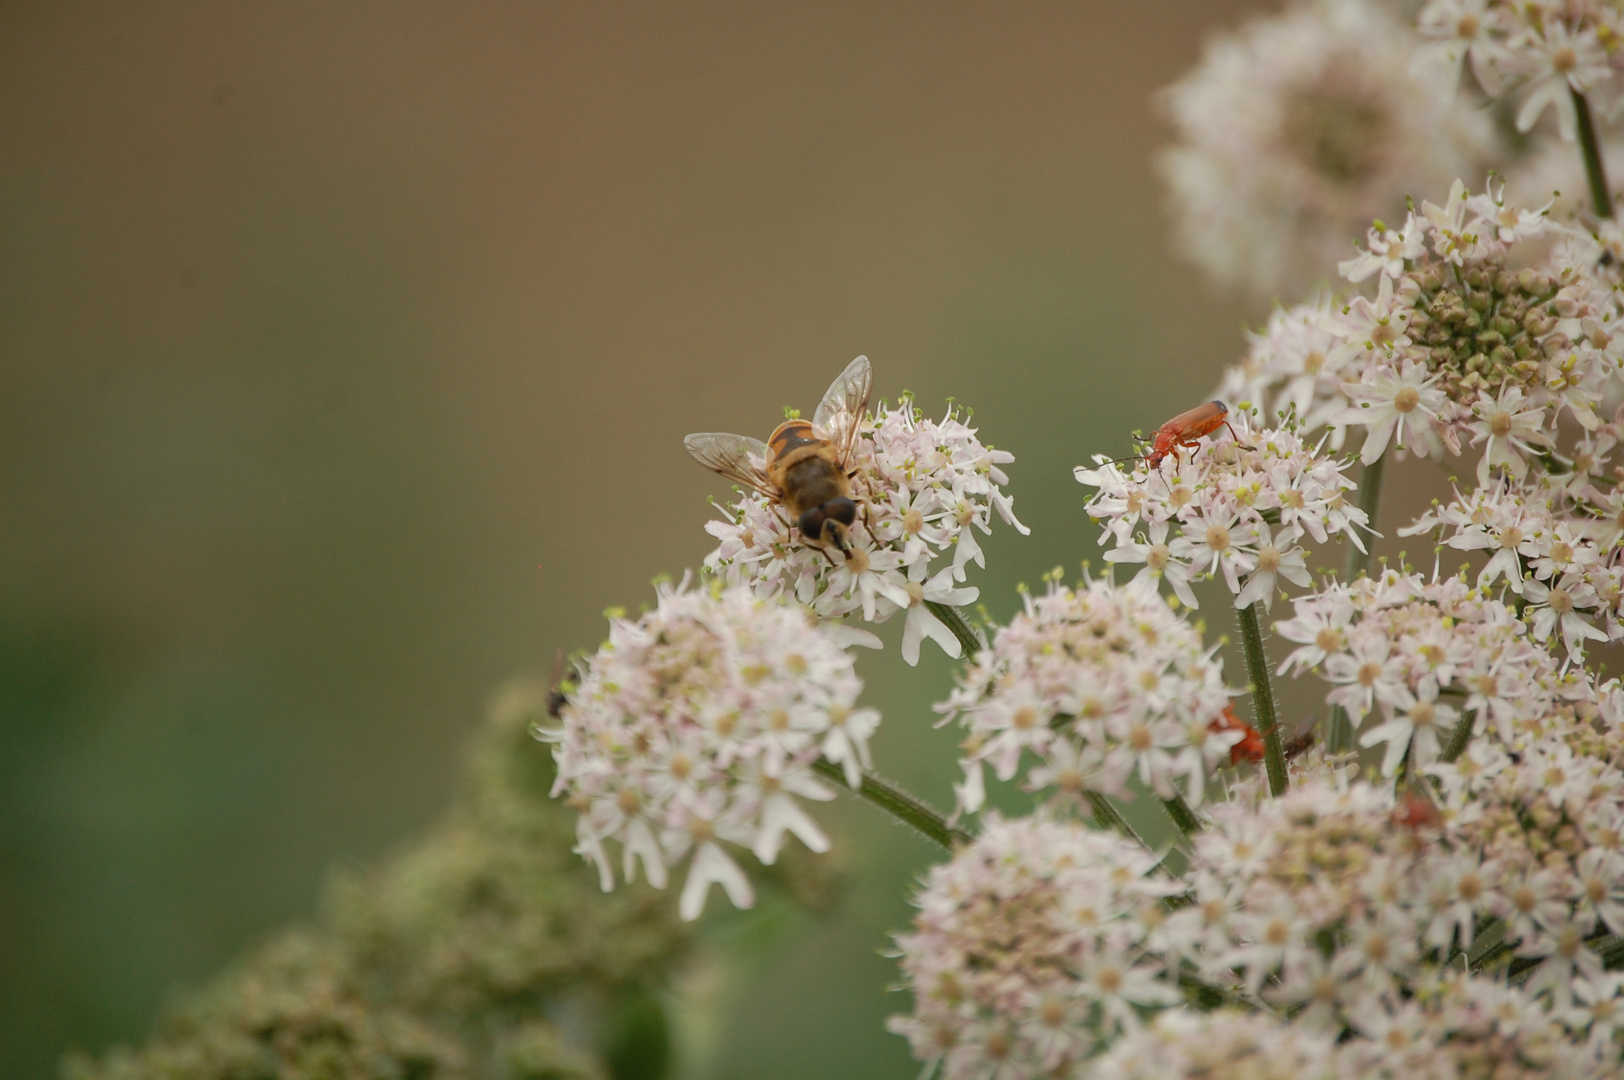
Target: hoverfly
point(802, 467)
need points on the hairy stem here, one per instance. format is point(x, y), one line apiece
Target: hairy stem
point(1106, 813)
point(1263, 713)
point(1182, 815)
point(900, 804)
point(1339, 729)
point(1459, 737)
point(1594, 170)
point(955, 621)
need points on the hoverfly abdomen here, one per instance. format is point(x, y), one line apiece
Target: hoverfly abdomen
point(792, 435)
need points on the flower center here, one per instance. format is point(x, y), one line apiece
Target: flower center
point(916, 593)
point(1467, 26)
point(1423, 714)
point(1500, 424)
point(1158, 557)
point(1560, 600)
point(1511, 537)
point(1407, 399)
point(1564, 60)
point(1313, 362)
point(913, 520)
point(857, 561)
point(1268, 559)
point(1025, 718)
point(1329, 640)
point(1369, 672)
point(1217, 537)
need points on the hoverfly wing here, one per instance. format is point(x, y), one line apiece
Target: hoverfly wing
point(841, 411)
point(738, 458)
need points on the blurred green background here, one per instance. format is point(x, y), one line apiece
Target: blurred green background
point(345, 354)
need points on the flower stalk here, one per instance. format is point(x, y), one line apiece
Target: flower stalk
point(1266, 720)
point(954, 620)
point(1338, 728)
point(900, 804)
point(1595, 171)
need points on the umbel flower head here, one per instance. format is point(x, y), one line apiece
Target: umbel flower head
point(1489, 324)
point(925, 489)
point(1236, 509)
point(1298, 129)
point(1029, 948)
point(1096, 684)
point(1390, 646)
point(697, 725)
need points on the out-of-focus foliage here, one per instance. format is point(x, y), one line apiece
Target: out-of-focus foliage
point(451, 961)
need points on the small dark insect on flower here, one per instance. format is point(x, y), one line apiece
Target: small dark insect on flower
point(556, 698)
point(1300, 743)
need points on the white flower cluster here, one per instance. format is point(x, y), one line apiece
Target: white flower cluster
point(1241, 509)
point(1223, 1045)
point(924, 489)
point(699, 723)
point(1297, 130)
point(1456, 1027)
point(1097, 684)
point(1028, 950)
point(1399, 641)
point(1546, 50)
point(1458, 345)
point(1558, 546)
point(1336, 906)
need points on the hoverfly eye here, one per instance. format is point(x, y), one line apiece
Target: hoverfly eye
point(842, 510)
point(811, 523)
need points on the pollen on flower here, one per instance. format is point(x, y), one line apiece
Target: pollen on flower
point(697, 726)
point(1096, 684)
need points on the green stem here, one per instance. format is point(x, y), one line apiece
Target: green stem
point(1459, 737)
point(900, 804)
point(1182, 815)
point(1263, 713)
point(1339, 729)
point(955, 621)
point(1109, 816)
point(1594, 170)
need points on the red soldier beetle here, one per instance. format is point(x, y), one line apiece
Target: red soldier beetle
point(1185, 430)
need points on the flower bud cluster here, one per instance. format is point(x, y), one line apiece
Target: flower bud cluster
point(699, 724)
point(1241, 509)
point(1097, 684)
point(1029, 948)
point(1559, 550)
point(925, 488)
point(1489, 323)
point(1390, 646)
point(1297, 129)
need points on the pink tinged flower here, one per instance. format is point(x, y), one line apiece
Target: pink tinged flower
point(1423, 724)
point(711, 866)
point(1559, 63)
point(1376, 326)
point(1159, 562)
point(780, 815)
point(1389, 402)
point(1509, 430)
point(1550, 606)
point(1452, 238)
point(846, 744)
point(1277, 556)
point(1386, 251)
point(922, 623)
point(1462, 30)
